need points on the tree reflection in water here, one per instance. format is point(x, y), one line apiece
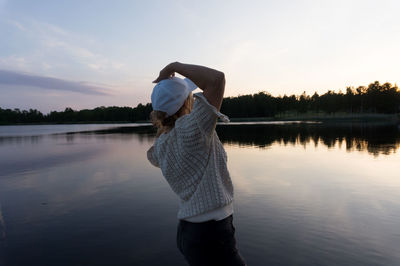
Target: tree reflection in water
point(375, 139)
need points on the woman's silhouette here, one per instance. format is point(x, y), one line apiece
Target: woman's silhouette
point(193, 161)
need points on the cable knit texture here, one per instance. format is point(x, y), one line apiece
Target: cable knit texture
point(193, 160)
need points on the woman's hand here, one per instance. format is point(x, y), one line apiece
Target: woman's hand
point(166, 73)
point(211, 81)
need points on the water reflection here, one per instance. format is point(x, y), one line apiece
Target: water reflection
point(375, 139)
point(19, 139)
point(2, 236)
point(372, 138)
point(83, 199)
point(92, 198)
point(23, 154)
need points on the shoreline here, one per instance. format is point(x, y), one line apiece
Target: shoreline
point(326, 118)
point(337, 117)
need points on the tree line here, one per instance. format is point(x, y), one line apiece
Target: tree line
point(99, 114)
point(374, 98)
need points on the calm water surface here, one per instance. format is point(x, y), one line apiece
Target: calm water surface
point(305, 194)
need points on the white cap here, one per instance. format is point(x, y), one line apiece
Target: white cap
point(169, 94)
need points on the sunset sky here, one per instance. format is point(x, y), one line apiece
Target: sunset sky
point(84, 54)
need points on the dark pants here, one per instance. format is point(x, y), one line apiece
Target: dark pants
point(209, 243)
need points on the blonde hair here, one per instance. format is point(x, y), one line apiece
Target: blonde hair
point(165, 124)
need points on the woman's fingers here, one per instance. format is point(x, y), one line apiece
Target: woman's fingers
point(164, 76)
point(160, 77)
point(165, 73)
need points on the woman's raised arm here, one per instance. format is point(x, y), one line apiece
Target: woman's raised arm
point(211, 81)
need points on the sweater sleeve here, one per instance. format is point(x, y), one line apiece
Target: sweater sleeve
point(206, 115)
point(151, 158)
point(201, 121)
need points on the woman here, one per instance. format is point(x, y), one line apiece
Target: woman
point(193, 161)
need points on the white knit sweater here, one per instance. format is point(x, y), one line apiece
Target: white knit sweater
point(193, 161)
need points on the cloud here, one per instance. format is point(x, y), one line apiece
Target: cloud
point(51, 50)
point(13, 78)
point(81, 49)
point(16, 24)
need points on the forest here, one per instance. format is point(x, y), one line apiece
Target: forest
point(374, 98)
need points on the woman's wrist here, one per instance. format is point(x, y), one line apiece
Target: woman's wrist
point(174, 66)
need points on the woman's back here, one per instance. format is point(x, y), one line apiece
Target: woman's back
point(194, 162)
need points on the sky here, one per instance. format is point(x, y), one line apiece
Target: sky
point(84, 54)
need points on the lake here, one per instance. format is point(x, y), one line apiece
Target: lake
point(305, 194)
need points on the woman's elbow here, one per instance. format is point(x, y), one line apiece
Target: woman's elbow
point(220, 79)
